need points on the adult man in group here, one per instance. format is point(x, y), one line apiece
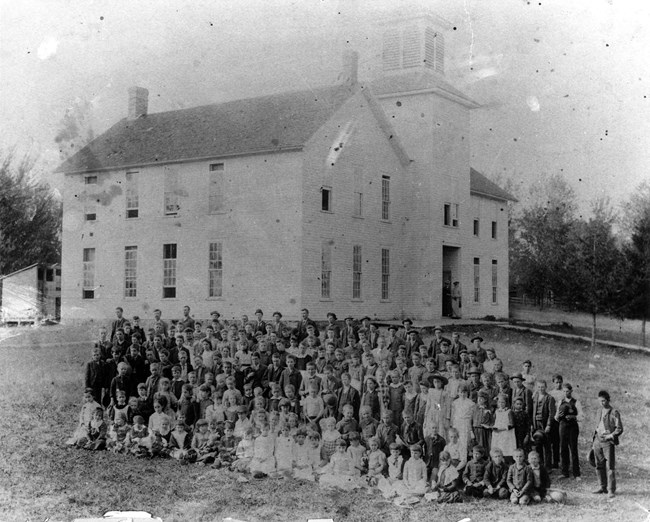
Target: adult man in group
point(301, 327)
point(186, 321)
point(157, 314)
point(118, 322)
point(608, 429)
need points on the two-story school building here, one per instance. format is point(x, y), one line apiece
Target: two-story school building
point(357, 197)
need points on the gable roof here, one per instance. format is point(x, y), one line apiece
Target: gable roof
point(482, 186)
point(273, 123)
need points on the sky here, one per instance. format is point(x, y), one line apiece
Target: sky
point(563, 86)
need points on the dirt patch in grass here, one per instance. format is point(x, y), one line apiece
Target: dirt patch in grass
point(40, 394)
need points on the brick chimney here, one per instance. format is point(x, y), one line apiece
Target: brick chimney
point(350, 72)
point(138, 102)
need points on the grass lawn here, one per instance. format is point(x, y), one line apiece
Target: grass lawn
point(41, 390)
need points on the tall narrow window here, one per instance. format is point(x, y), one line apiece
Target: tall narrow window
point(385, 198)
point(88, 272)
point(215, 195)
point(171, 193)
point(358, 205)
point(90, 212)
point(356, 272)
point(494, 229)
point(326, 270)
point(215, 271)
point(326, 199)
point(476, 227)
point(169, 271)
point(385, 273)
point(477, 280)
point(494, 281)
point(450, 215)
point(132, 196)
point(130, 271)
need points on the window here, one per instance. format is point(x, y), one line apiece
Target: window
point(90, 212)
point(49, 274)
point(215, 193)
point(385, 273)
point(326, 270)
point(358, 204)
point(326, 199)
point(90, 180)
point(451, 215)
point(494, 229)
point(477, 281)
point(88, 272)
point(494, 281)
point(169, 271)
point(171, 193)
point(385, 198)
point(132, 198)
point(476, 227)
point(215, 271)
point(356, 272)
point(130, 271)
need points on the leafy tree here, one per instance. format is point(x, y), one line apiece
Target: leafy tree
point(30, 217)
point(594, 265)
point(540, 245)
point(636, 272)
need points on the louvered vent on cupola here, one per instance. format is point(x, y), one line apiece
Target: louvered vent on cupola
point(413, 46)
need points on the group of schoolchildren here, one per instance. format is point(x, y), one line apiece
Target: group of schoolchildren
point(354, 407)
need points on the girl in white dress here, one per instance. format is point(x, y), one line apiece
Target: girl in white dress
point(462, 413)
point(263, 462)
point(284, 451)
point(503, 432)
point(339, 473)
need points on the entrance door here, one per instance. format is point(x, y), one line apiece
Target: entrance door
point(450, 274)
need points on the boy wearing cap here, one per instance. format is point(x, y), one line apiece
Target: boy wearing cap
point(481, 354)
point(393, 340)
point(519, 391)
point(349, 332)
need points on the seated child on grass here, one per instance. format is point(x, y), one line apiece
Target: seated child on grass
point(340, 471)
point(395, 465)
point(474, 473)
point(284, 450)
point(414, 475)
point(244, 453)
point(541, 479)
point(138, 437)
point(263, 462)
point(161, 438)
point(227, 446)
point(85, 416)
point(96, 430)
point(357, 452)
point(520, 479)
point(302, 461)
point(445, 488)
point(376, 461)
point(496, 476)
point(181, 441)
point(117, 434)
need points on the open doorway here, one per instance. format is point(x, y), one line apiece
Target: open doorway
point(451, 291)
